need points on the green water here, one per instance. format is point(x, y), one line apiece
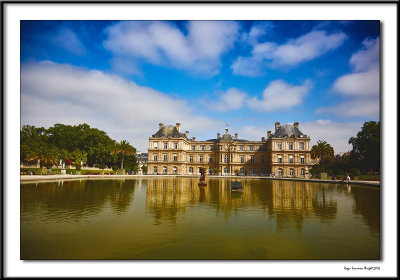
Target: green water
point(173, 218)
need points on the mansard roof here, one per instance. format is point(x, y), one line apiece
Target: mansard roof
point(288, 130)
point(169, 131)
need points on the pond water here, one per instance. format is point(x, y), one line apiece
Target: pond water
point(174, 218)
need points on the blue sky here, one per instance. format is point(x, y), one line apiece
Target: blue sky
point(125, 77)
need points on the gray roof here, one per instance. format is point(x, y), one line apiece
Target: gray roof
point(288, 130)
point(169, 131)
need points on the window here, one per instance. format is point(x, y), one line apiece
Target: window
point(191, 158)
point(301, 159)
point(174, 169)
point(155, 169)
point(290, 146)
point(226, 170)
point(226, 158)
point(155, 145)
point(252, 159)
point(175, 146)
point(290, 159)
point(291, 171)
point(280, 159)
point(165, 157)
point(251, 148)
point(279, 145)
point(210, 171)
point(201, 158)
point(190, 170)
point(164, 170)
point(155, 157)
point(211, 159)
point(193, 148)
point(262, 159)
point(280, 171)
point(242, 170)
point(241, 159)
point(252, 171)
point(241, 148)
point(301, 146)
point(165, 145)
point(175, 157)
point(203, 148)
point(302, 172)
point(263, 171)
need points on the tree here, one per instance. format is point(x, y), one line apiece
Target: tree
point(79, 157)
point(366, 146)
point(322, 151)
point(124, 149)
point(45, 154)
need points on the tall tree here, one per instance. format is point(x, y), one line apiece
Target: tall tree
point(322, 151)
point(124, 149)
point(45, 154)
point(366, 146)
point(79, 157)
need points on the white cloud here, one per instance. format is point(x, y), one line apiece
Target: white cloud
point(280, 95)
point(304, 48)
point(360, 88)
point(55, 93)
point(232, 99)
point(162, 43)
point(358, 84)
point(337, 134)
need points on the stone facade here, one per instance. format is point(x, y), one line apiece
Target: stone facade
point(286, 153)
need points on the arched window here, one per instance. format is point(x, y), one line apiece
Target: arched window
point(291, 171)
point(155, 169)
point(164, 170)
point(174, 169)
point(226, 170)
point(242, 171)
point(252, 171)
point(302, 172)
point(280, 171)
point(190, 170)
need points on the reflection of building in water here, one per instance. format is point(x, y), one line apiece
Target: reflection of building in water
point(284, 200)
point(291, 200)
point(167, 197)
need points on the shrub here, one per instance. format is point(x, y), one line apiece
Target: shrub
point(115, 167)
point(355, 171)
point(102, 166)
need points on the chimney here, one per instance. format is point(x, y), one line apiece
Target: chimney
point(178, 127)
point(263, 139)
point(160, 125)
point(269, 134)
point(296, 125)
point(236, 135)
point(277, 125)
point(187, 134)
point(194, 138)
point(218, 135)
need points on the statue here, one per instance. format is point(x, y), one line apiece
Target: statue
point(202, 181)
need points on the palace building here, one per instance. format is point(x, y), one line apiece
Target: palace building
point(284, 153)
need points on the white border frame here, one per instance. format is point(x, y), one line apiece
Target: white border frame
point(14, 12)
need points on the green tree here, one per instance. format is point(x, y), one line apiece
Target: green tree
point(45, 154)
point(123, 148)
point(78, 157)
point(366, 146)
point(322, 151)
